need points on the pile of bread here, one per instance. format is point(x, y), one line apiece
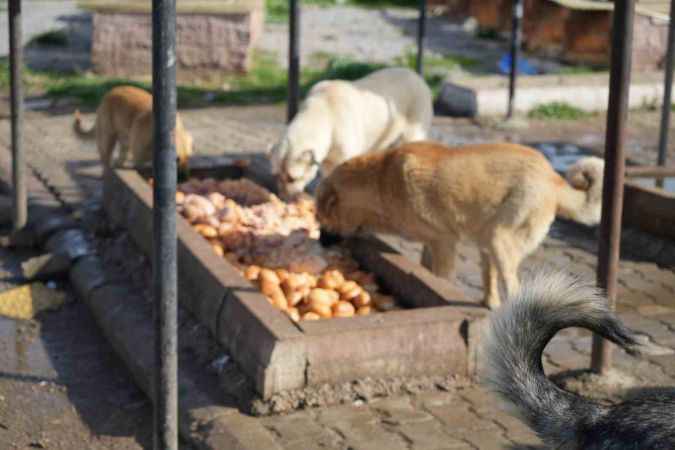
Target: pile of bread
point(275, 245)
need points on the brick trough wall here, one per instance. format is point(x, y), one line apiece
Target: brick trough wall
point(215, 43)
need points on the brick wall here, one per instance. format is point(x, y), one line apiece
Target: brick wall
point(215, 43)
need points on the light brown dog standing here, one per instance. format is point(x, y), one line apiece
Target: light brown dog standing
point(125, 117)
point(503, 197)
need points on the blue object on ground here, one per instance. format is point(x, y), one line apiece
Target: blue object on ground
point(524, 67)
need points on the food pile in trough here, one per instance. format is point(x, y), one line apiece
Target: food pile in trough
point(276, 246)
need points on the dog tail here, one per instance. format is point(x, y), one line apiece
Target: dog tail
point(79, 129)
point(580, 198)
point(518, 334)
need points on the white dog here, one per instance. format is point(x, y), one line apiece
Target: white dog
point(341, 119)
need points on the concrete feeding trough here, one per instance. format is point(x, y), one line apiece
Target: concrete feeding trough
point(646, 206)
point(437, 332)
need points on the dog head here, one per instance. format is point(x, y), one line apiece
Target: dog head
point(337, 204)
point(294, 166)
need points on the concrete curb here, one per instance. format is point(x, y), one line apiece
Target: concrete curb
point(587, 92)
point(125, 320)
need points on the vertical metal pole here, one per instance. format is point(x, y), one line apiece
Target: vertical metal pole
point(612, 193)
point(293, 60)
point(667, 91)
point(20, 213)
point(164, 223)
point(421, 35)
point(516, 38)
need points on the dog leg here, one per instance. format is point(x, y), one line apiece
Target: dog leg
point(507, 255)
point(413, 132)
point(442, 258)
point(123, 154)
point(426, 261)
point(105, 143)
point(490, 281)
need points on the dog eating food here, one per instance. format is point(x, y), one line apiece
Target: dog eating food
point(275, 245)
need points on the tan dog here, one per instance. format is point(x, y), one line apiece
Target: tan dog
point(503, 197)
point(125, 117)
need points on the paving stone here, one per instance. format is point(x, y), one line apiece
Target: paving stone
point(487, 441)
point(399, 410)
point(429, 435)
point(370, 436)
point(646, 325)
point(459, 419)
point(655, 311)
point(296, 427)
point(433, 399)
point(512, 425)
point(345, 413)
point(654, 274)
point(666, 362)
point(562, 354)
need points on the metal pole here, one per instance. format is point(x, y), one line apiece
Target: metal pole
point(293, 60)
point(612, 193)
point(516, 38)
point(20, 213)
point(667, 91)
point(421, 35)
point(164, 224)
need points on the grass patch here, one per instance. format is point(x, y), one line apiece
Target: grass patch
point(579, 70)
point(277, 10)
point(557, 111)
point(446, 62)
point(265, 83)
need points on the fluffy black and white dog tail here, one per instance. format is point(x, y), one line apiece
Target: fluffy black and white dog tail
point(518, 334)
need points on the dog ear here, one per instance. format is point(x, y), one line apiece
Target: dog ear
point(328, 198)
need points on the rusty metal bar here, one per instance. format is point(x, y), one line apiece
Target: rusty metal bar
point(667, 92)
point(650, 172)
point(612, 192)
point(164, 224)
point(20, 195)
point(293, 60)
point(421, 36)
point(516, 39)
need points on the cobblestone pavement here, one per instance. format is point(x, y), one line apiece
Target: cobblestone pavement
point(467, 418)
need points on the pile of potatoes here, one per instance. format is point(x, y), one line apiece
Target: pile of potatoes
point(275, 245)
point(303, 296)
point(247, 224)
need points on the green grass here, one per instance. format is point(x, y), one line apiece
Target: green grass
point(447, 62)
point(277, 10)
point(265, 83)
point(579, 70)
point(557, 111)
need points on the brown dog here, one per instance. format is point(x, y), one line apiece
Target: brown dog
point(125, 117)
point(503, 197)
